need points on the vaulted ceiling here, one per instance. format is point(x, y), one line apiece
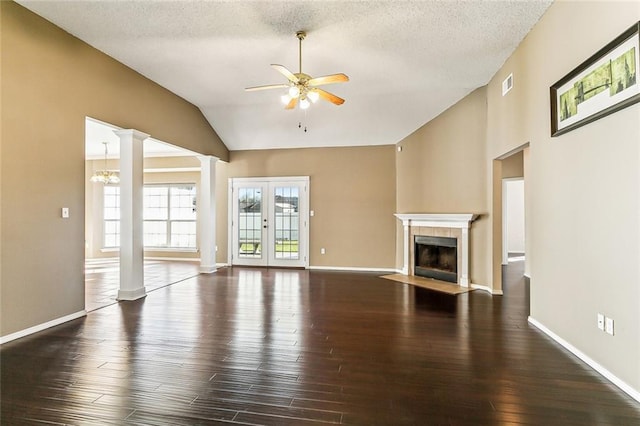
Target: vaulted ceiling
point(407, 61)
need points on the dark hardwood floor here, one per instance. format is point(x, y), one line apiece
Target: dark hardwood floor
point(292, 347)
point(102, 278)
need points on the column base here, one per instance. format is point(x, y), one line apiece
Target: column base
point(136, 294)
point(204, 269)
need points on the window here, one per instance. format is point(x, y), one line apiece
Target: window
point(111, 216)
point(169, 216)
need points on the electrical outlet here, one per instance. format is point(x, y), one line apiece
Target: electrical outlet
point(608, 325)
point(322, 251)
point(601, 322)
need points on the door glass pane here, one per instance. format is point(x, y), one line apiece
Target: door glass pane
point(286, 227)
point(250, 223)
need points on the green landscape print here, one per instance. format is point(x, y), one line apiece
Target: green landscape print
point(616, 75)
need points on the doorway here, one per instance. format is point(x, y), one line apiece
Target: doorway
point(513, 228)
point(511, 166)
point(269, 221)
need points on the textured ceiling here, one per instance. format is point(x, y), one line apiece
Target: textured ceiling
point(407, 60)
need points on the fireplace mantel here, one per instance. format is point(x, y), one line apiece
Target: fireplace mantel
point(457, 221)
point(437, 220)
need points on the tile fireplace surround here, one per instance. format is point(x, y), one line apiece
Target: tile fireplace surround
point(438, 225)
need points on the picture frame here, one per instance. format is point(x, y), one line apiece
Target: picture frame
point(603, 84)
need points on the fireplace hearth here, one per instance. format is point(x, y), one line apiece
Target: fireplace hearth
point(436, 257)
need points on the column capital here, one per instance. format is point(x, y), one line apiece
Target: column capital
point(207, 158)
point(132, 133)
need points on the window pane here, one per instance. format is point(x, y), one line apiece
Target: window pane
point(183, 203)
point(156, 202)
point(111, 202)
point(111, 233)
point(183, 234)
point(155, 233)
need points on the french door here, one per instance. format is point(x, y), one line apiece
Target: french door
point(269, 221)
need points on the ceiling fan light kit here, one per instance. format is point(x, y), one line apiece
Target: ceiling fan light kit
point(302, 89)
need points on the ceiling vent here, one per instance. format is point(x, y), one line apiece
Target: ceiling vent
point(507, 84)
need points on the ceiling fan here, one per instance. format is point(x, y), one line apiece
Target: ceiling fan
point(303, 88)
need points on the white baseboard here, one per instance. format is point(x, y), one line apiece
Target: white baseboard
point(633, 393)
point(40, 327)
point(352, 269)
point(487, 289)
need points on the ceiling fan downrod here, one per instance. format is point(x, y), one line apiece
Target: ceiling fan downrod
point(301, 35)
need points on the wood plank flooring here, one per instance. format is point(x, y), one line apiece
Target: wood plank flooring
point(292, 347)
point(102, 278)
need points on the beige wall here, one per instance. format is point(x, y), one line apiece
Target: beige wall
point(50, 82)
point(513, 166)
point(352, 195)
point(442, 169)
point(582, 188)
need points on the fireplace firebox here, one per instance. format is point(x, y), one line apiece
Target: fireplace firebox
point(436, 257)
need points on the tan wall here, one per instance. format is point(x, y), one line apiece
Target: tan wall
point(513, 166)
point(50, 82)
point(441, 169)
point(582, 187)
point(352, 194)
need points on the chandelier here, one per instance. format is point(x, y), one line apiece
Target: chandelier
point(105, 176)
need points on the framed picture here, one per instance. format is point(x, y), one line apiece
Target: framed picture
point(601, 85)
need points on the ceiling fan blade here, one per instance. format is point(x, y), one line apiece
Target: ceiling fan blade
point(292, 103)
point(329, 97)
point(328, 79)
point(269, 86)
point(284, 71)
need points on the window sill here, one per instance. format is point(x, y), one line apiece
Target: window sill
point(155, 249)
point(171, 250)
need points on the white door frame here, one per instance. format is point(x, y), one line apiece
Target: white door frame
point(303, 211)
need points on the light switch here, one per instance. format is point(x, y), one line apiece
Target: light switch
point(608, 325)
point(65, 212)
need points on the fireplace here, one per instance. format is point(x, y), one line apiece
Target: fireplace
point(436, 257)
point(450, 232)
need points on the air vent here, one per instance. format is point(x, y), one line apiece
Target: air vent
point(507, 84)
